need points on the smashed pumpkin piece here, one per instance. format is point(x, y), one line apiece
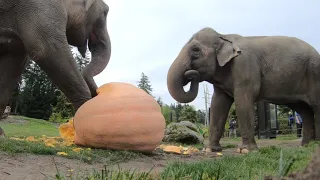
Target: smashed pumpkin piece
point(62, 153)
point(66, 130)
point(77, 149)
point(219, 154)
point(18, 139)
point(173, 149)
point(50, 142)
point(178, 149)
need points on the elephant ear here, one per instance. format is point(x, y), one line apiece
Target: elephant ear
point(228, 50)
point(89, 3)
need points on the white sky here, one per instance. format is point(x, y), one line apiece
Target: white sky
point(147, 35)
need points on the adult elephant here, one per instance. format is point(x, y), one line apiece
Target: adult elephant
point(42, 31)
point(244, 70)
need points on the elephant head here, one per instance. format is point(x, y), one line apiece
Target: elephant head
point(197, 62)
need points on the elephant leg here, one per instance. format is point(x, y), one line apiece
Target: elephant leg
point(307, 116)
point(220, 106)
point(62, 70)
point(316, 123)
point(47, 45)
point(244, 102)
point(12, 65)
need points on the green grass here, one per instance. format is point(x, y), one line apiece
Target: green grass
point(37, 128)
point(33, 127)
point(287, 137)
point(89, 156)
point(251, 166)
point(255, 165)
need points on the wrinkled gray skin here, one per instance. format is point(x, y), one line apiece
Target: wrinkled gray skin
point(277, 69)
point(42, 31)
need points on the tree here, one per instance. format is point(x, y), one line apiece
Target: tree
point(81, 61)
point(63, 110)
point(283, 110)
point(159, 100)
point(201, 114)
point(167, 113)
point(177, 109)
point(144, 84)
point(232, 112)
point(188, 113)
point(38, 93)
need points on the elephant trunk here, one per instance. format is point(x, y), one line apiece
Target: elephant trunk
point(179, 75)
point(100, 47)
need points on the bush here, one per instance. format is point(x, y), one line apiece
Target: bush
point(283, 126)
point(57, 118)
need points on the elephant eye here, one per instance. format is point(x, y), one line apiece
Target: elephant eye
point(195, 52)
point(196, 49)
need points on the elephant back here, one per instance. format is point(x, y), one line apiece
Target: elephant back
point(7, 5)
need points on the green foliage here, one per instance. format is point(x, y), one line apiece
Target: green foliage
point(63, 110)
point(188, 113)
point(204, 130)
point(283, 110)
point(232, 112)
point(81, 61)
point(144, 84)
point(177, 109)
point(166, 112)
point(201, 114)
point(283, 125)
point(159, 101)
point(38, 93)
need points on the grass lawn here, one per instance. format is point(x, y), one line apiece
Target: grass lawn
point(255, 165)
point(38, 128)
point(32, 127)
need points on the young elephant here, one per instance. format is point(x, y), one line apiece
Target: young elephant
point(42, 31)
point(276, 69)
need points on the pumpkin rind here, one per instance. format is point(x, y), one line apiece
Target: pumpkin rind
point(121, 117)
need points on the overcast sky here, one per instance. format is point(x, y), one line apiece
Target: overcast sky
point(147, 35)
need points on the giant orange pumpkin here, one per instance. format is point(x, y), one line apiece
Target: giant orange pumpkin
point(121, 117)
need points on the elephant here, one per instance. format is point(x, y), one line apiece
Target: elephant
point(42, 31)
point(243, 70)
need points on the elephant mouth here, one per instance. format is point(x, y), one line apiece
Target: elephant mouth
point(191, 75)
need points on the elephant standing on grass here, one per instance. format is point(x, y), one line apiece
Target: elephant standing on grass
point(277, 69)
point(42, 31)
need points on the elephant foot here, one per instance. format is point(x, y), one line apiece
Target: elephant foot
point(305, 142)
point(216, 148)
point(246, 148)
